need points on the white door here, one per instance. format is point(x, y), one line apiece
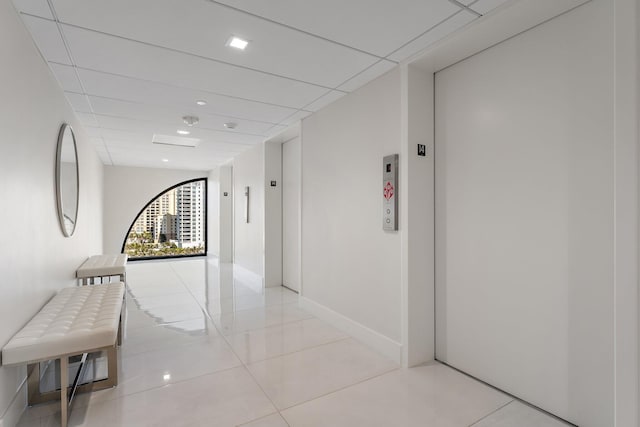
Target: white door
point(524, 216)
point(290, 214)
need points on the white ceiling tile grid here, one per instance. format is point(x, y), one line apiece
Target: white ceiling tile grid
point(134, 69)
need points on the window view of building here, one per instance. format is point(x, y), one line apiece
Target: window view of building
point(173, 224)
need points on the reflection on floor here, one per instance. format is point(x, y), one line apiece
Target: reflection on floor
point(205, 345)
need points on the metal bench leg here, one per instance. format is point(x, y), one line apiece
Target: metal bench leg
point(120, 331)
point(112, 360)
point(64, 399)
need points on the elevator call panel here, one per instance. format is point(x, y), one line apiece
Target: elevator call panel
point(390, 193)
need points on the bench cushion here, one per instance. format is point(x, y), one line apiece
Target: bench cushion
point(75, 320)
point(102, 266)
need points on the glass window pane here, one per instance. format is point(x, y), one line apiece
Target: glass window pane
point(173, 224)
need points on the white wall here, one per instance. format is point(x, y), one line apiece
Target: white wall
point(213, 212)
point(248, 245)
point(273, 214)
point(127, 190)
point(226, 213)
point(291, 174)
point(351, 268)
point(417, 217)
point(37, 259)
point(221, 213)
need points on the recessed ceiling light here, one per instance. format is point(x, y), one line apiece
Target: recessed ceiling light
point(237, 42)
point(201, 102)
point(183, 132)
point(165, 160)
point(166, 377)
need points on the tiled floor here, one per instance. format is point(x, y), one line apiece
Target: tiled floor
point(207, 346)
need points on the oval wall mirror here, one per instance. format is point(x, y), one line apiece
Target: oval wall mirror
point(67, 180)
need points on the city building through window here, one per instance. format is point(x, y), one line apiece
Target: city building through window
point(171, 225)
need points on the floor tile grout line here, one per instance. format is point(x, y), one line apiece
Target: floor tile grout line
point(158, 387)
point(254, 308)
point(200, 340)
point(267, 326)
point(299, 350)
point(343, 388)
point(262, 418)
point(491, 413)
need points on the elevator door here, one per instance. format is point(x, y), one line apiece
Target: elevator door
point(524, 218)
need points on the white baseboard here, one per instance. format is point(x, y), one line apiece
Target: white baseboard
point(16, 407)
point(375, 340)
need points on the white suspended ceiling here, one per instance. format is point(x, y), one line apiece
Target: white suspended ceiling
point(133, 68)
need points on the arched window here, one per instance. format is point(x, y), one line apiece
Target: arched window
point(173, 224)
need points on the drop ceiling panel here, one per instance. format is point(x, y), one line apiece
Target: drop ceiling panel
point(486, 6)
point(377, 27)
point(173, 116)
point(132, 69)
point(324, 100)
point(34, 7)
point(67, 78)
point(202, 28)
point(227, 149)
point(178, 158)
point(139, 153)
point(144, 130)
point(196, 165)
point(128, 89)
point(367, 75)
point(299, 115)
point(48, 39)
point(78, 102)
point(88, 119)
point(275, 130)
point(442, 30)
point(132, 59)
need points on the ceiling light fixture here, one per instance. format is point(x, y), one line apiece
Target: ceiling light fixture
point(201, 102)
point(230, 125)
point(237, 43)
point(165, 160)
point(190, 120)
point(183, 132)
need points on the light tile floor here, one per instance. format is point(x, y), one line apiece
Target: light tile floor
point(205, 345)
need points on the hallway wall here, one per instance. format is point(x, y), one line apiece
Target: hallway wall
point(248, 246)
point(37, 259)
point(220, 203)
point(350, 266)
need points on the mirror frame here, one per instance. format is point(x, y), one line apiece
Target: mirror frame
point(59, 203)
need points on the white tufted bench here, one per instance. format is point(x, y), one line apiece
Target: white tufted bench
point(102, 266)
point(78, 320)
